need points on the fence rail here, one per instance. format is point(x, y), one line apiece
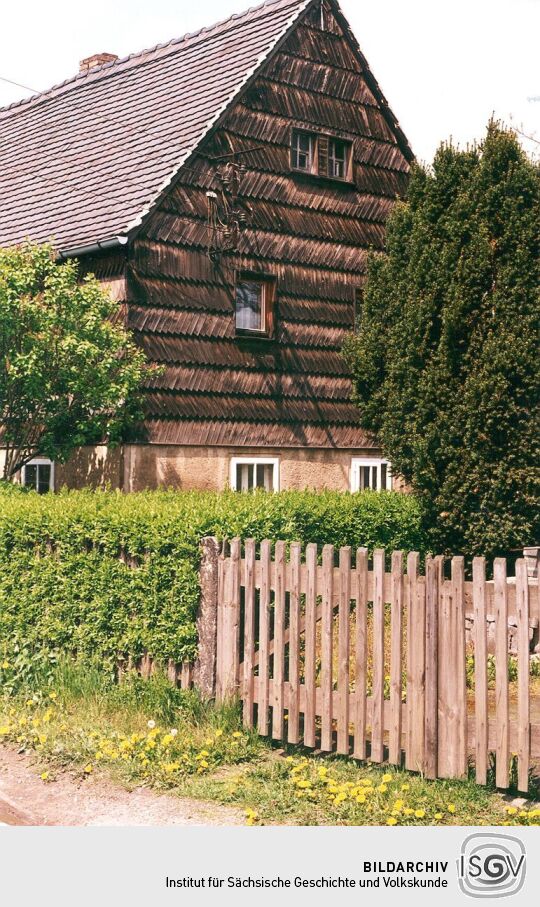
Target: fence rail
point(353, 657)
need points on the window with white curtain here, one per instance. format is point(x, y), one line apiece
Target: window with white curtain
point(250, 473)
point(370, 474)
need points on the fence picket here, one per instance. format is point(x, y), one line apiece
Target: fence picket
point(310, 651)
point(431, 670)
point(279, 643)
point(264, 633)
point(222, 568)
point(501, 672)
point(523, 704)
point(293, 730)
point(286, 645)
point(480, 669)
point(327, 625)
point(249, 630)
point(416, 623)
point(377, 716)
point(361, 653)
point(343, 650)
point(396, 624)
point(231, 622)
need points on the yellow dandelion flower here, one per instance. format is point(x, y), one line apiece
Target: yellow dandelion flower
point(44, 776)
point(237, 734)
point(88, 769)
point(219, 732)
point(420, 813)
point(53, 695)
point(405, 787)
point(386, 778)
point(408, 811)
point(382, 788)
point(438, 815)
point(451, 808)
point(391, 821)
point(360, 798)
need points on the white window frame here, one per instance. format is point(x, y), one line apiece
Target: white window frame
point(334, 161)
point(39, 461)
point(263, 284)
point(295, 150)
point(315, 140)
point(254, 461)
point(357, 463)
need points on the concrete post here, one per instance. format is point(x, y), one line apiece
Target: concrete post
point(205, 665)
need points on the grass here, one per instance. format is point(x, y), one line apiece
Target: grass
point(146, 732)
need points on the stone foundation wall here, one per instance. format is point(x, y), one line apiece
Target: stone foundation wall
point(534, 641)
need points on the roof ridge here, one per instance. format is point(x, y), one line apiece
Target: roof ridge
point(106, 67)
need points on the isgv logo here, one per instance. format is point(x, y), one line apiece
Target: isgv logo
point(491, 866)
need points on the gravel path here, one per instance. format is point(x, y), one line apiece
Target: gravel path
point(27, 800)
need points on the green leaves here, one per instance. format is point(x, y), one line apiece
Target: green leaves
point(106, 574)
point(446, 364)
point(69, 371)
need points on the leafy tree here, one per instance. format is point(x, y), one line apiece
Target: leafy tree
point(68, 368)
point(446, 361)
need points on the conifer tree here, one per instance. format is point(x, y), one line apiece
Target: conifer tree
point(445, 362)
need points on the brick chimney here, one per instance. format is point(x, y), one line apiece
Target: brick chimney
point(96, 60)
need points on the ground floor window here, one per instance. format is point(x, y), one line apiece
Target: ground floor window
point(249, 473)
point(39, 475)
point(370, 473)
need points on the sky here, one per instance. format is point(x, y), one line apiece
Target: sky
point(445, 67)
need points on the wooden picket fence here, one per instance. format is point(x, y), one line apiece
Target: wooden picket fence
point(372, 663)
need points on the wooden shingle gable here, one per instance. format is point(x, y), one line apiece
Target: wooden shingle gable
point(309, 234)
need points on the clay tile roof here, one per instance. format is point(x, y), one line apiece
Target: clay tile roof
point(83, 162)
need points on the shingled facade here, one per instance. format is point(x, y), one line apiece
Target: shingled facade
point(228, 198)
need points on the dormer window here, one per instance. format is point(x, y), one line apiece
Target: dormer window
point(321, 155)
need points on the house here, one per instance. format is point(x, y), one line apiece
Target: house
point(226, 187)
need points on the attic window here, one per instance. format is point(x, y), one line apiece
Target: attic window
point(302, 151)
point(321, 155)
point(254, 304)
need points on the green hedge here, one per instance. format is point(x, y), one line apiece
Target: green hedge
point(64, 587)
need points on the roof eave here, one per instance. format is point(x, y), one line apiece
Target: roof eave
point(92, 248)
